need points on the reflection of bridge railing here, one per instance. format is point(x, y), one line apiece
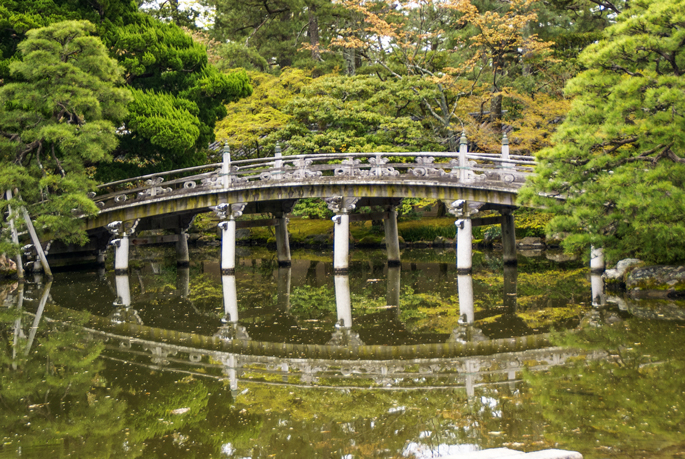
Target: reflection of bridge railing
point(463, 167)
point(398, 373)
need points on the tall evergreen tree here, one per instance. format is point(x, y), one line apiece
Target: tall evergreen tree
point(619, 160)
point(58, 119)
point(178, 96)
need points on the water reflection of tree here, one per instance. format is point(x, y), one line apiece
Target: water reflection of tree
point(54, 400)
point(631, 406)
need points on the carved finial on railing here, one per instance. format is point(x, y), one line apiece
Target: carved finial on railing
point(462, 140)
point(505, 140)
point(226, 166)
point(277, 150)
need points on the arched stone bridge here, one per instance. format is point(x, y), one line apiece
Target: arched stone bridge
point(465, 181)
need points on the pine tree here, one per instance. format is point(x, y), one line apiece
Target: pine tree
point(619, 161)
point(59, 120)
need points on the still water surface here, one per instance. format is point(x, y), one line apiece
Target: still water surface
point(413, 362)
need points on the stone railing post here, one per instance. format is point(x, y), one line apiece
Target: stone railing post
point(278, 163)
point(463, 161)
point(226, 167)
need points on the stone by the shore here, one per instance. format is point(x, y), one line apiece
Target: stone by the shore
point(657, 278)
point(621, 268)
point(530, 243)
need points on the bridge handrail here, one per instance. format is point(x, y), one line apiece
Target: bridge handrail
point(269, 161)
point(450, 167)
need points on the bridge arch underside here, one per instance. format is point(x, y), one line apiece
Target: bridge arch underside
point(261, 199)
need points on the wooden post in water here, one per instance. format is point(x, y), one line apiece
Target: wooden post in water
point(392, 240)
point(15, 238)
point(282, 240)
point(182, 253)
point(38, 246)
point(508, 237)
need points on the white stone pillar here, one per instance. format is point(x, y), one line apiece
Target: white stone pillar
point(230, 298)
point(508, 237)
point(341, 244)
point(343, 303)
point(282, 241)
point(392, 240)
point(597, 286)
point(121, 282)
point(341, 206)
point(464, 246)
point(100, 257)
point(227, 247)
point(121, 247)
point(465, 290)
point(596, 260)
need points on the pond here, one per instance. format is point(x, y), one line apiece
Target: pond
point(414, 361)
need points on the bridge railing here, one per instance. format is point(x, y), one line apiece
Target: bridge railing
point(463, 167)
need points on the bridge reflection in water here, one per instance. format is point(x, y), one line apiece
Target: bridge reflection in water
point(466, 358)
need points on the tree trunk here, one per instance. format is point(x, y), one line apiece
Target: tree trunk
point(350, 62)
point(313, 32)
point(496, 110)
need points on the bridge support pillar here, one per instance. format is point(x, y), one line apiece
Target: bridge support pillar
point(227, 247)
point(464, 246)
point(508, 237)
point(227, 227)
point(100, 257)
point(464, 225)
point(596, 260)
point(341, 243)
point(182, 253)
point(121, 244)
point(392, 240)
point(282, 241)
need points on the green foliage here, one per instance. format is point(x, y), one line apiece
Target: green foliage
point(312, 208)
point(618, 160)
point(59, 119)
point(252, 121)
point(160, 61)
point(234, 55)
point(361, 113)
point(309, 302)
